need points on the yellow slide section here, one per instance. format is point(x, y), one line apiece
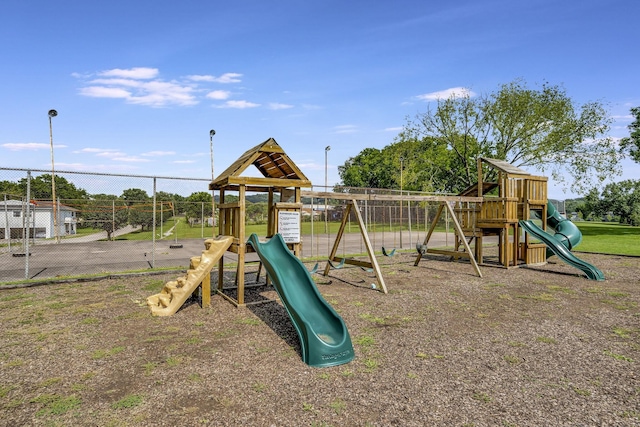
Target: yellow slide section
point(176, 292)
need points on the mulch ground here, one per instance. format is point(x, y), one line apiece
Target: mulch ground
point(539, 346)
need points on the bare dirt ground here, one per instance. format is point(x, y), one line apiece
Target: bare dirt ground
point(539, 346)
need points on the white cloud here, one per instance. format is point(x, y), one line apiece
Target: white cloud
point(27, 146)
point(183, 161)
point(239, 104)
point(73, 166)
point(111, 154)
point(104, 92)
point(201, 78)
point(458, 92)
point(101, 152)
point(159, 153)
point(278, 106)
point(227, 78)
point(132, 73)
point(219, 94)
point(132, 159)
point(623, 118)
point(142, 86)
point(345, 129)
point(393, 129)
point(92, 150)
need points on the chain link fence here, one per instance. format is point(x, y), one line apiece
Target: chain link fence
point(393, 219)
point(102, 223)
point(98, 223)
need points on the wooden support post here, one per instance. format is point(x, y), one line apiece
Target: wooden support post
point(426, 239)
point(370, 251)
point(373, 261)
point(205, 288)
point(242, 244)
point(456, 224)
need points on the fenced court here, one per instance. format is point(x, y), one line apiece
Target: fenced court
point(114, 229)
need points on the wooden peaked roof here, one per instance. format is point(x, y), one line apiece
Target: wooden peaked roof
point(504, 166)
point(273, 163)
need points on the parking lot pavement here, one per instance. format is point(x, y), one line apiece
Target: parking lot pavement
point(73, 257)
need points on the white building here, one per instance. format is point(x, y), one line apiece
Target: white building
point(17, 216)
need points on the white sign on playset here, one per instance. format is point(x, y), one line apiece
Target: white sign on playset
point(289, 226)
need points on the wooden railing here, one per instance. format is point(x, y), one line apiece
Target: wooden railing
point(498, 210)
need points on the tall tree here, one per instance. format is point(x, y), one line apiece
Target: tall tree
point(369, 169)
point(41, 188)
point(631, 144)
point(539, 128)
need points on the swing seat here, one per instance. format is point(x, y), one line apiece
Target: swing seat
point(368, 270)
point(338, 266)
point(314, 269)
point(385, 253)
point(422, 249)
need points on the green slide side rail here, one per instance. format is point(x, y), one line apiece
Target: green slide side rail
point(324, 337)
point(561, 250)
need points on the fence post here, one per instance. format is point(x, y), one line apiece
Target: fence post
point(26, 258)
point(312, 213)
point(153, 252)
point(113, 218)
point(7, 229)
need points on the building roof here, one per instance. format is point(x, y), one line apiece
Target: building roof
point(37, 204)
point(277, 169)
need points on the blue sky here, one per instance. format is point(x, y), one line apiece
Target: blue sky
point(139, 84)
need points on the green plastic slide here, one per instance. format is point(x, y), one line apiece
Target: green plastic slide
point(324, 338)
point(561, 250)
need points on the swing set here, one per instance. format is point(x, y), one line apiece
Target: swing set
point(371, 264)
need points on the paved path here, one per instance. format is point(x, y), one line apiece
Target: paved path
point(88, 255)
point(102, 235)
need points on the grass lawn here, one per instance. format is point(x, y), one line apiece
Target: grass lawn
point(185, 231)
point(599, 237)
point(609, 238)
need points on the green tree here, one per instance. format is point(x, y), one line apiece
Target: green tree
point(106, 212)
point(631, 144)
point(41, 188)
point(622, 199)
point(197, 204)
point(10, 189)
point(256, 213)
point(140, 208)
point(369, 169)
point(531, 128)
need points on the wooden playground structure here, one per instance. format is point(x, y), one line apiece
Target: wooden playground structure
point(514, 195)
point(282, 180)
point(489, 208)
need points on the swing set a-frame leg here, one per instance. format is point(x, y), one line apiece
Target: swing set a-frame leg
point(373, 262)
point(428, 236)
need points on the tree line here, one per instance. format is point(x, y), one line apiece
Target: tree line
point(530, 127)
point(133, 206)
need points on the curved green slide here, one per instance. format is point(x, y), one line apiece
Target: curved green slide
point(324, 338)
point(558, 247)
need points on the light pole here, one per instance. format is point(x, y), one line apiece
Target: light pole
point(211, 133)
point(213, 202)
point(326, 189)
point(53, 113)
point(401, 199)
